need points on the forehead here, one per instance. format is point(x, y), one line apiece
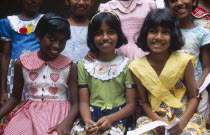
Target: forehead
point(104, 26)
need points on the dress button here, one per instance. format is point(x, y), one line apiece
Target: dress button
point(44, 76)
point(42, 89)
point(45, 63)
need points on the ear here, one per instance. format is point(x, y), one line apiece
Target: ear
point(92, 1)
point(67, 2)
point(195, 3)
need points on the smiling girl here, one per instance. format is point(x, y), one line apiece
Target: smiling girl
point(106, 87)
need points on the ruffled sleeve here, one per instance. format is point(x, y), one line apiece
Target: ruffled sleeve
point(6, 30)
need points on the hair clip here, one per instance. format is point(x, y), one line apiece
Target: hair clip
point(105, 11)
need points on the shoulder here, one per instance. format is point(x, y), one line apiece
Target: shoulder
point(107, 5)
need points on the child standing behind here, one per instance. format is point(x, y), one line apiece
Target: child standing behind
point(106, 88)
point(197, 40)
point(165, 78)
point(17, 33)
point(76, 47)
point(48, 76)
point(131, 14)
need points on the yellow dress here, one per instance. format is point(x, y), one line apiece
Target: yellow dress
point(170, 84)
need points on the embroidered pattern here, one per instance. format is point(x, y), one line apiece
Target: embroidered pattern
point(27, 29)
point(33, 75)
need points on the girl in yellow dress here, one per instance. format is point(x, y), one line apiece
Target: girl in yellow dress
point(165, 77)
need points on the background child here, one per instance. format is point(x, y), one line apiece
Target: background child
point(107, 96)
point(166, 72)
point(76, 47)
point(131, 14)
point(17, 33)
point(47, 75)
point(197, 40)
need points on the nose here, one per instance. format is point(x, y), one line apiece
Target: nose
point(179, 2)
point(81, 1)
point(55, 44)
point(158, 35)
point(105, 37)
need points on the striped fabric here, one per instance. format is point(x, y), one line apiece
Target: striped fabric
point(36, 117)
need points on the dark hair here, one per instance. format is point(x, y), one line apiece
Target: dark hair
point(164, 18)
point(52, 23)
point(193, 7)
point(112, 20)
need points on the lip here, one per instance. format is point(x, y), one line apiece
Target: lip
point(181, 10)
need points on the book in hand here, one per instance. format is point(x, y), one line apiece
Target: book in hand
point(152, 125)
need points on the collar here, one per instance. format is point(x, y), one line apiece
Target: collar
point(115, 4)
point(200, 12)
point(106, 70)
point(31, 61)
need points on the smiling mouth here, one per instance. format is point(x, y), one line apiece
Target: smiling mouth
point(182, 10)
point(54, 51)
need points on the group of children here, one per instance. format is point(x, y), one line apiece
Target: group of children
point(44, 55)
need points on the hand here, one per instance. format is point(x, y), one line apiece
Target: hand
point(91, 128)
point(104, 123)
point(208, 123)
point(3, 98)
point(178, 129)
point(140, 103)
point(61, 129)
point(90, 56)
point(161, 130)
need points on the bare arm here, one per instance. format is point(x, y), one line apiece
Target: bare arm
point(129, 109)
point(17, 91)
point(193, 101)
point(5, 59)
point(64, 127)
point(205, 64)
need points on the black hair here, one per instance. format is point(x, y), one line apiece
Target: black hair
point(193, 7)
point(164, 18)
point(113, 21)
point(51, 24)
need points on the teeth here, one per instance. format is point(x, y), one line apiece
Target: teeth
point(181, 10)
point(53, 51)
point(106, 44)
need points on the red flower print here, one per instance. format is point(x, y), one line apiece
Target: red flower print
point(23, 30)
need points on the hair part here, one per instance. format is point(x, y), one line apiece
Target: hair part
point(112, 21)
point(164, 18)
point(51, 24)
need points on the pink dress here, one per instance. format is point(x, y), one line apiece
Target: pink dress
point(132, 19)
point(48, 104)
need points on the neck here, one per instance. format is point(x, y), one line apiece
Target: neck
point(78, 20)
point(186, 23)
point(44, 57)
point(28, 15)
point(106, 56)
point(159, 58)
point(205, 4)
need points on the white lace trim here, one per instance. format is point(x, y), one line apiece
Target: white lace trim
point(30, 25)
point(106, 70)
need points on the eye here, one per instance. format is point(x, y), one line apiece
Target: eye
point(111, 32)
point(172, 1)
point(51, 38)
point(167, 32)
point(98, 33)
point(153, 31)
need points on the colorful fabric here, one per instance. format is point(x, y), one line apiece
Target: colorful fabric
point(194, 39)
point(106, 93)
point(21, 33)
point(76, 47)
point(172, 79)
point(159, 85)
point(48, 104)
point(117, 128)
point(131, 22)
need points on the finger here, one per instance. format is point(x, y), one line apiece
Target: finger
point(51, 130)
point(104, 126)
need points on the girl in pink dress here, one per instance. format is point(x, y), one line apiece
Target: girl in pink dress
point(132, 14)
point(49, 76)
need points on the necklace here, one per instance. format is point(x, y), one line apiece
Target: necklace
point(127, 8)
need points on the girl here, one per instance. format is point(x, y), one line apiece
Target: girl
point(47, 75)
point(17, 33)
point(165, 78)
point(131, 14)
point(107, 94)
point(197, 40)
point(76, 47)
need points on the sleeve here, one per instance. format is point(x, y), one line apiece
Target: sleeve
point(6, 30)
point(104, 6)
point(152, 4)
point(129, 82)
point(82, 75)
point(205, 38)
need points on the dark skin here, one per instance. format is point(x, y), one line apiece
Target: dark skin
point(26, 14)
point(157, 61)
